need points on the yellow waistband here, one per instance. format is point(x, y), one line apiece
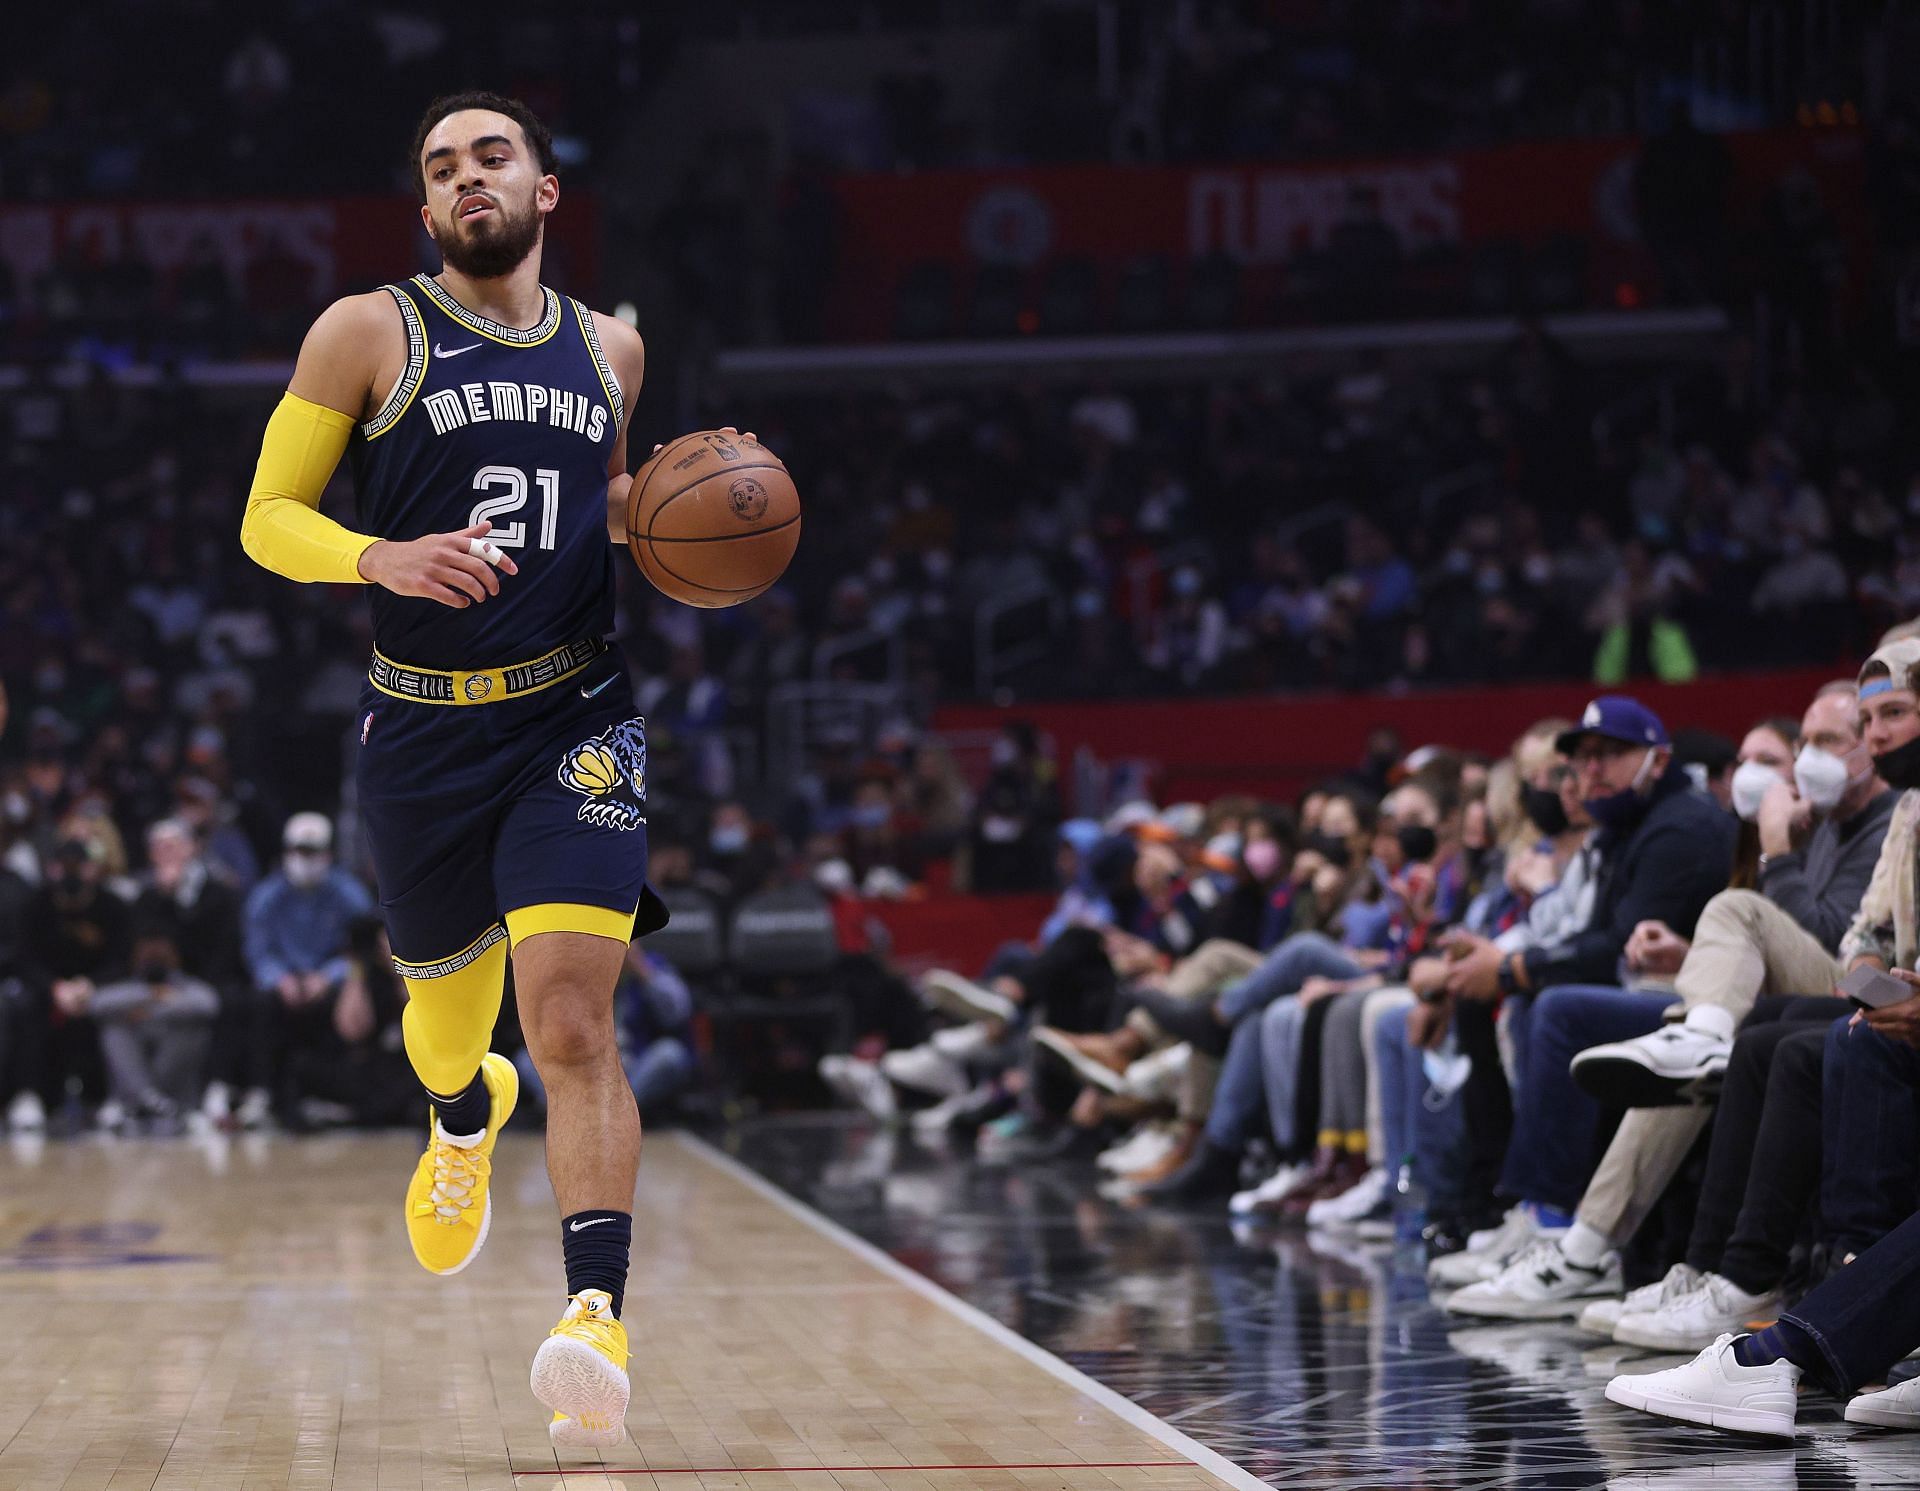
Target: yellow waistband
point(482, 685)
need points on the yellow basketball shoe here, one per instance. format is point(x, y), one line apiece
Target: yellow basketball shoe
point(449, 1203)
point(580, 1372)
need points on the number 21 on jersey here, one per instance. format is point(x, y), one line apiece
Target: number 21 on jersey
point(509, 486)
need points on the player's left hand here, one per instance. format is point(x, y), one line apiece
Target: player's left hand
point(724, 430)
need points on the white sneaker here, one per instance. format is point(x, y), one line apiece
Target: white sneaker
point(255, 1109)
point(964, 999)
point(1156, 1078)
point(1890, 1408)
point(859, 1084)
point(1694, 1319)
point(26, 1114)
point(111, 1117)
point(1268, 1195)
point(1600, 1317)
point(923, 1069)
point(1089, 1071)
point(967, 1042)
point(1488, 1251)
point(1541, 1283)
point(216, 1104)
point(1655, 1070)
point(1359, 1201)
point(1714, 1389)
point(1147, 1145)
point(938, 1118)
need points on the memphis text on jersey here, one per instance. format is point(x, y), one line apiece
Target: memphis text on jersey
point(524, 403)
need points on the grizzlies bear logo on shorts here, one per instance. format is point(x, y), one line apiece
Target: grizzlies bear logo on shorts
point(610, 771)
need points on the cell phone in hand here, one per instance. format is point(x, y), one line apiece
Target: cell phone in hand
point(1871, 989)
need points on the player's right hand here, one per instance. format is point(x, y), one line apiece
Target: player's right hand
point(439, 567)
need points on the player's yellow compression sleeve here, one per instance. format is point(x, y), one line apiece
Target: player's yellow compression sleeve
point(284, 529)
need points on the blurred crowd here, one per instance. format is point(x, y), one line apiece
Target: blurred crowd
point(1622, 1027)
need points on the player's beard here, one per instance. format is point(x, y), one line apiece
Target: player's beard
point(494, 245)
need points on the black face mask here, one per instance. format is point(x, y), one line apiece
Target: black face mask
point(1331, 849)
point(155, 973)
point(1544, 810)
point(1900, 767)
point(1417, 843)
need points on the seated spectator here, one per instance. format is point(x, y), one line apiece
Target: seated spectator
point(78, 938)
point(1663, 851)
point(156, 1029)
point(1748, 944)
point(298, 924)
point(653, 1013)
point(182, 894)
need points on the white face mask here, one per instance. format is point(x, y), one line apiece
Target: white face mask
point(1823, 778)
point(304, 871)
point(1750, 784)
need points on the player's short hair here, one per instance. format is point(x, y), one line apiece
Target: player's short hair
point(538, 137)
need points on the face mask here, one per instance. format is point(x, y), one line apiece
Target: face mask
point(1750, 784)
point(1332, 850)
point(1417, 843)
point(1900, 767)
point(304, 870)
point(1447, 1069)
point(1625, 807)
point(1544, 810)
point(154, 973)
point(1822, 777)
point(1263, 858)
point(730, 839)
point(873, 815)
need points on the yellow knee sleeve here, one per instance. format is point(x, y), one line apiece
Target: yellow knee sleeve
point(451, 1007)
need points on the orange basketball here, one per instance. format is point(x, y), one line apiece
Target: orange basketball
point(713, 519)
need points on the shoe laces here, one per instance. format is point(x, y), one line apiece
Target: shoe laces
point(600, 1331)
point(457, 1175)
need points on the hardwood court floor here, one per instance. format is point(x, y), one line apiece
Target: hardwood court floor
point(246, 1314)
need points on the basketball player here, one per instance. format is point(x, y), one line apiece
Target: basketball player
point(501, 770)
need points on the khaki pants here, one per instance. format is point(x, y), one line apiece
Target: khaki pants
point(1199, 975)
point(1743, 947)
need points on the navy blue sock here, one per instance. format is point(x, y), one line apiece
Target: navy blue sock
point(467, 1111)
point(1781, 1341)
point(596, 1245)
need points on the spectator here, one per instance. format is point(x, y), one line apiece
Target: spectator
point(79, 937)
point(156, 1029)
point(298, 924)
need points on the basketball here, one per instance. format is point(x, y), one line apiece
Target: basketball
point(713, 519)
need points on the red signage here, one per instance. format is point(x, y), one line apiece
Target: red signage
point(1265, 214)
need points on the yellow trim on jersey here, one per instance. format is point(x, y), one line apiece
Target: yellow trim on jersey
point(283, 528)
point(482, 685)
point(569, 916)
point(507, 336)
point(412, 377)
point(616, 403)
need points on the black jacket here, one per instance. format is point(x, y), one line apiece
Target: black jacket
point(1664, 868)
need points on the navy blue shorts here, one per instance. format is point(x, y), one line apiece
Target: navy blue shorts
point(475, 812)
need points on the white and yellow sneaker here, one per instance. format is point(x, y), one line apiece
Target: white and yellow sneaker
point(449, 1203)
point(580, 1372)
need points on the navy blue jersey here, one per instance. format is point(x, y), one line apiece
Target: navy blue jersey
point(495, 424)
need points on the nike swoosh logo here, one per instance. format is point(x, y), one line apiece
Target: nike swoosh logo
point(440, 351)
point(588, 693)
point(582, 1226)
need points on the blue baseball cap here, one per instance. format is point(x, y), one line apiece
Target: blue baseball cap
point(1614, 717)
point(1081, 833)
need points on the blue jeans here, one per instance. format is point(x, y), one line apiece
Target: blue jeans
point(1870, 1124)
point(1866, 1316)
point(1287, 967)
point(1419, 1130)
point(1261, 1068)
point(658, 1072)
point(1551, 1157)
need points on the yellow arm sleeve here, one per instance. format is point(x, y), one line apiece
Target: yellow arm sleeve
point(284, 529)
